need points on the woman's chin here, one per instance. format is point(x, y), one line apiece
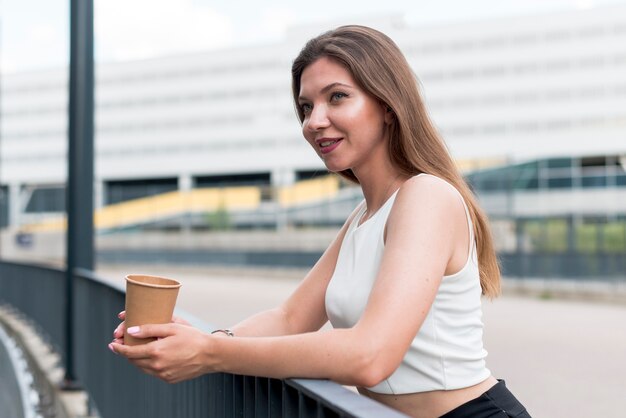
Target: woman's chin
point(335, 168)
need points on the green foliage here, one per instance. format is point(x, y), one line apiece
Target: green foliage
point(615, 237)
point(546, 295)
point(587, 238)
point(548, 235)
point(551, 236)
point(219, 219)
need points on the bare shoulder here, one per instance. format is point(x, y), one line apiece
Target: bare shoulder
point(427, 215)
point(429, 192)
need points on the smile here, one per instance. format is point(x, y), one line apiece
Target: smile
point(327, 145)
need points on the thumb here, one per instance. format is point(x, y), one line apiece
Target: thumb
point(152, 330)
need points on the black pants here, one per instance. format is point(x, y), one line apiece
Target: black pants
point(497, 402)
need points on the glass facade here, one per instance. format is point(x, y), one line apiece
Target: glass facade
point(46, 199)
point(261, 180)
point(311, 174)
point(121, 191)
point(4, 206)
point(553, 173)
point(233, 180)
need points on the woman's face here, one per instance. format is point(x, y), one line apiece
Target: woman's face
point(343, 123)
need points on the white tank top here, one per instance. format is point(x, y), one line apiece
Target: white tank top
point(447, 352)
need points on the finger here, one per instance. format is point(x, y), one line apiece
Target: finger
point(145, 364)
point(131, 352)
point(119, 331)
point(179, 320)
point(152, 330)
point(122, 315)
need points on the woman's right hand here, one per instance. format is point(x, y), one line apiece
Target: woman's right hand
point(118, 333)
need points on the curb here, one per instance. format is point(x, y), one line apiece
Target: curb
point(45, 365)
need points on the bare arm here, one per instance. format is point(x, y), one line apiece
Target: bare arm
point(428, 222)
point(304, 311)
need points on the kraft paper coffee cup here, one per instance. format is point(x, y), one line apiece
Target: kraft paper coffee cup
point(149, 300)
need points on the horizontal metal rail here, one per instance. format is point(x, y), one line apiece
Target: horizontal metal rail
point(120, 390)
point(571, 265)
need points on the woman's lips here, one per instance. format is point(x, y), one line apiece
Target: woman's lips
point(327, 145)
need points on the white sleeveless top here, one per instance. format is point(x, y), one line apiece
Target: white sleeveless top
point(447, 352)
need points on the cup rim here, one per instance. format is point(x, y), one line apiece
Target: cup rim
point(174, 283)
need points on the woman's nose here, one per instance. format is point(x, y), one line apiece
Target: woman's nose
point(318, 118)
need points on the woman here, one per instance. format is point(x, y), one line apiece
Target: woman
point(403, 279)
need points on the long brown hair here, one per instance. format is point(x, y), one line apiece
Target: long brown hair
point(415, 146)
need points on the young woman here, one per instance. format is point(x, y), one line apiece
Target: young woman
point(401, 283)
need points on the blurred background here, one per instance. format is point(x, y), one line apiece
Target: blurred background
point(201, 169)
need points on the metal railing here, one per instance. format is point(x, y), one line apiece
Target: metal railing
point(604, 266)
point(609, 267)
point(119, 390)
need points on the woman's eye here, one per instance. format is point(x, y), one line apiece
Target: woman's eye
point(337, 95)
point(306, 108)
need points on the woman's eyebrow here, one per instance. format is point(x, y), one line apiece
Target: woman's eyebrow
point(333, 85)
point(326, 88)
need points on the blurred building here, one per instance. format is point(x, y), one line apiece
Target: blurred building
point(504, 92)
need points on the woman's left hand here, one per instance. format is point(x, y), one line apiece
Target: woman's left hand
point(178, 354)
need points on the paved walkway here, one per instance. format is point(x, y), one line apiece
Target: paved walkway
point(561, 358)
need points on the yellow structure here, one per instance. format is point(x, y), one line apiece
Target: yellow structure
point(206, 200)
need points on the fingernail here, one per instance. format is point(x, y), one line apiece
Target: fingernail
point(112, 349)
point(132, 330)
point(120, 314)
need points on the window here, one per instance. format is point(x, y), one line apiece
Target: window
point(526, 176)
point(233, 180)
point(559, 163)
point(517, 177)
point(4, 206)
point(123, 190)
point(311, 174)
point(46, 199)
point(593, 181)
point(560, 183)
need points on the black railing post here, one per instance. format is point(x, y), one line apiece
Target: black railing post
point(80, 164)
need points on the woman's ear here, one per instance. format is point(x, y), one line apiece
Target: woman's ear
point(389, 115)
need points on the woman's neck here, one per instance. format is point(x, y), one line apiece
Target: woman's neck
point(378, 185)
